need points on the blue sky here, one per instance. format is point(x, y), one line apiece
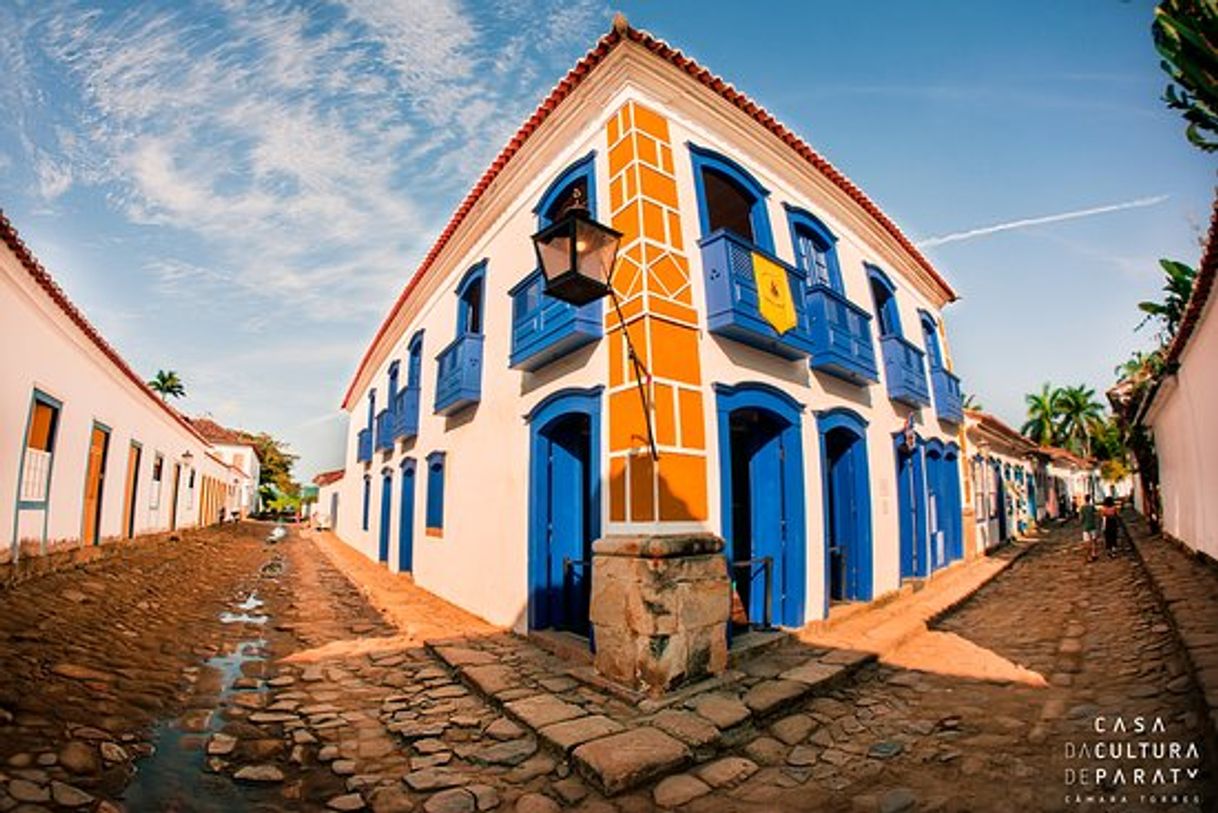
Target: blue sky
point(238, 191)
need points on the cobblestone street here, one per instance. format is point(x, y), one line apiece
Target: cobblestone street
point(221, 673)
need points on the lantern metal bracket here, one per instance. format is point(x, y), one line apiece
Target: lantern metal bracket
point(640, 372)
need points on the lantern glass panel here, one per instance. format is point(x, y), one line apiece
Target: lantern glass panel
point(595, 249)
point(554, 254)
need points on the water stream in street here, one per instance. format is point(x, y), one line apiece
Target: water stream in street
point(175, 778)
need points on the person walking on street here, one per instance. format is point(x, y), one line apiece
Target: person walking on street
point(1091, 530)
point(1111, 518)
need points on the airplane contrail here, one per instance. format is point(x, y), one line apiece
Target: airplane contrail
point(956, 237)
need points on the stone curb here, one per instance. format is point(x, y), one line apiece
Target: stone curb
point(1209, 715)
point(775, 698)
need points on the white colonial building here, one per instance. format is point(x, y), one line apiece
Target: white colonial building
point(88, 453)
point(237, 452)
point(794, 365)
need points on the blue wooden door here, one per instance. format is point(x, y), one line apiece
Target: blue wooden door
point(406, 520)
point(911, 512)
point(935, 514)
point(849, 545)
point(768, 527)
point(382, 554)
point(560, 575)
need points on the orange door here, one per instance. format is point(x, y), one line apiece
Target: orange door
point(129, 494)
point(173, 501)
point(95, 474)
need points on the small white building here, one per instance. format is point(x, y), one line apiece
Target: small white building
point(235, 449)
point(1004, 487)
point(1178, 413)
point(88, 453)
point(325, 511)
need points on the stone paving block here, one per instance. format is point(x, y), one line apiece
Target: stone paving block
point(511, 752)
point(814, 673)
point(628, 759)
point(689, 728)
point(849, 658)
point(571, 733)
point(771, 695)
point(727, 771)
point(675, 791)
point(723, 710)
point(458, 656)
point(541, 710)
point(490, 679)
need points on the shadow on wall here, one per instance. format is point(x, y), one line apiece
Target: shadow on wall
point(742, 356)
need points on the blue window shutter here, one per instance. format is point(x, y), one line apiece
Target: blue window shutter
point(435, 493)
point(414, 371)
point(367, 500)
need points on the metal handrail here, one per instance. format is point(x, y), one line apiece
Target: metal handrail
point(767, 562)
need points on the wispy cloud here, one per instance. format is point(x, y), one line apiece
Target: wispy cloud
point(1027, 222)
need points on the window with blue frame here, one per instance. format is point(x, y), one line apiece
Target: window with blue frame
point(39, 452)
point(730, 198)
point(544, 328)
point(414, 360)
point(469, 301)
point(815, 249)
point(367, 500)
point(884, 295)
point(393, 381)
point(435, 494)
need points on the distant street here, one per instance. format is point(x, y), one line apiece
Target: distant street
point(157, 681)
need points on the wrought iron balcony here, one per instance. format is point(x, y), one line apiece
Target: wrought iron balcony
point(459, 374)
point(363, 447)
point(949, 403)
point(841, 336)
point(905, 371)
point(734, 306)
point(384, 430)
point(545, 328)
point(406, 413)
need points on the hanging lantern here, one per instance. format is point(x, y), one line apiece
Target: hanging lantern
point(576, 254)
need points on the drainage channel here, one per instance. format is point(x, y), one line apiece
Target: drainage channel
point(176, 778)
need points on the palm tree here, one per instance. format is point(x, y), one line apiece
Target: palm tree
point(168, 384)
point(1042, 413)
point(1178, 289)
point(1081, 418)
point(1140, 365)
point(972, 402)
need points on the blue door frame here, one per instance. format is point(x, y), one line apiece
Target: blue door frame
point(382, 553)
point(406, 518)
point(564, 506)
point(847, 500)
point(1000, 491)
point(954, 502)
point(937, 514)
point(777, 529)
point(911, 508)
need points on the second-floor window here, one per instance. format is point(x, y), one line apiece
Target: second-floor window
point(884, 295)
point(414, 360)
point(930, 335)
point(730, 198)
point(469, 301)
point(815, 249)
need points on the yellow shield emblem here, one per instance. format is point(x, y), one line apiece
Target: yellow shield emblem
point(774, 294)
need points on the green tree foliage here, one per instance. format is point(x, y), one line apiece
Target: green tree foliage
point(1186, 36)
point(167, 384)
point(1080, 418)
point(277, 463)
point(971, 401)
point(1041, 425)
point(1177, 290)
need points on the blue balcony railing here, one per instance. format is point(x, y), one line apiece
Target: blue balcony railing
point(363, 446)
point(406, 413)
point(841, 336)
point(384, 430)
point(949, 403)
point(459, 374)
point(905, 372)
point(545, 328)
point(732, 302)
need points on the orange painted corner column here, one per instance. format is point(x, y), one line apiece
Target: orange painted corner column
point(652, 282)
